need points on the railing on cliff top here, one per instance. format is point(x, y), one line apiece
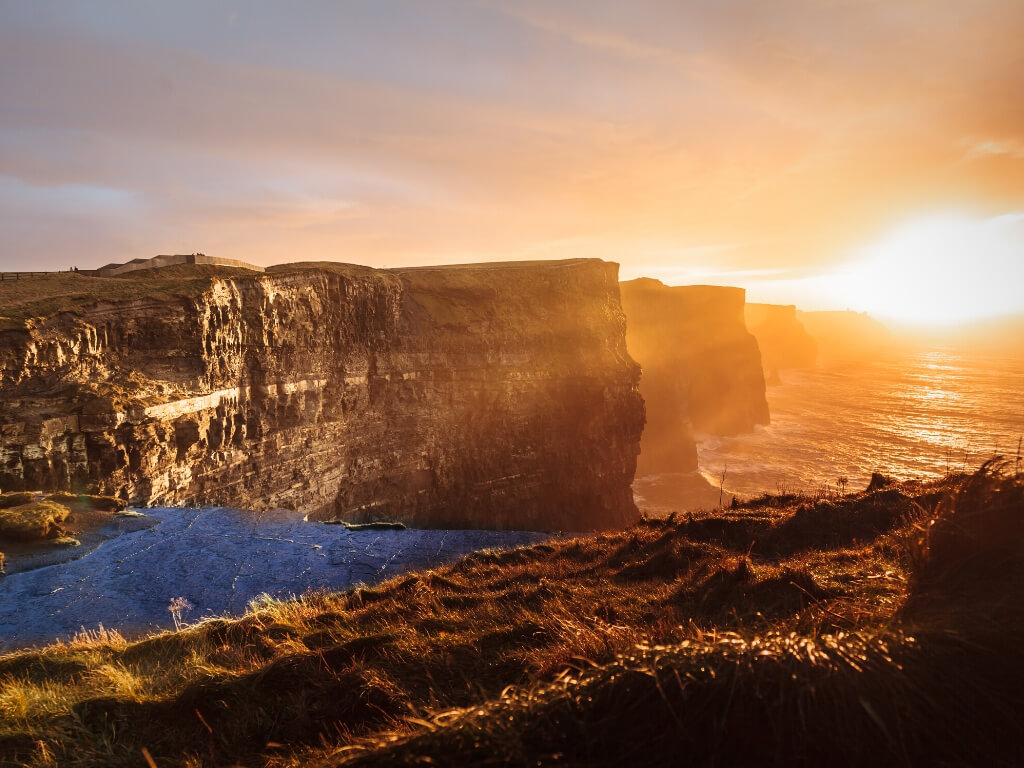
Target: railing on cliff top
point(20, 275)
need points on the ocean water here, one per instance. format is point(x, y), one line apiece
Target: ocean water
point(921, 415)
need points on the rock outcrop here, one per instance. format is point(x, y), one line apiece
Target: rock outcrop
point(783, 340)
point(701, 368)
point(490, 396)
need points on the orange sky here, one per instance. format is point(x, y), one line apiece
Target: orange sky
point(768, 145)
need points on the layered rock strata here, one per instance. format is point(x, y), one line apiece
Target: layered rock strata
point(490, 396)
point(701, 368)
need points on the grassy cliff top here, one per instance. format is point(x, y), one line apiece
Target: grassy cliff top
point(56, 292)
point(52, 293)
point(851, 630)
point(334, 267)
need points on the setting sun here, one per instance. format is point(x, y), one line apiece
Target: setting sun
point(938, 270)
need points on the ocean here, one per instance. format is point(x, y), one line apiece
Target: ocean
point(919, 415)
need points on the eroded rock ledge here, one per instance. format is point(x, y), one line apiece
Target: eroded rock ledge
point(493, 396)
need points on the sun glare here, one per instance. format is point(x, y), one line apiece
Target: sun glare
point(938, 270)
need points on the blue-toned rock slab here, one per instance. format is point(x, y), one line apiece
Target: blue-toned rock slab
point(218, 559)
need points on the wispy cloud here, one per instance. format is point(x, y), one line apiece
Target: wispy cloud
point(393, 132)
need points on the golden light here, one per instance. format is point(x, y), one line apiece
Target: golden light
point(946, 269)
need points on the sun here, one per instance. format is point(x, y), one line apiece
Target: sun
point(939, 270)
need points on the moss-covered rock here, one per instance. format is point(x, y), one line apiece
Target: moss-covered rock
point(35, 520)
point(110, 503)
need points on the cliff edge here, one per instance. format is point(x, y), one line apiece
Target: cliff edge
point(487, 396)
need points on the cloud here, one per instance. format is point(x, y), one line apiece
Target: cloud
point(987, 148)
point(387, 132)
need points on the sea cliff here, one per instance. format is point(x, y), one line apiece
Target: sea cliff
point(783, 340)
point(844, 336)
point(488, 396)
point(701, 368)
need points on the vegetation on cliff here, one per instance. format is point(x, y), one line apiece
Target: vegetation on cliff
point(48, 294)
point(26, 516)
point(880, 627)
point(32, 520)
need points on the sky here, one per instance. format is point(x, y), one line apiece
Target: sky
point(808, 150)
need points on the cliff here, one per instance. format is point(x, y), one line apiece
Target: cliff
point(493, 396)
point(701, 368)
point(844, 336)
point(783, 340)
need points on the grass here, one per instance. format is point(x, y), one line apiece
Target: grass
point(882, 627)
point(29, 300)
point(22, 302)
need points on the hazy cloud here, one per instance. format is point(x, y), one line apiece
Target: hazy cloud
point(400, 132)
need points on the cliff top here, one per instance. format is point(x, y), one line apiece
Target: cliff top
point(335, 267)
point(648, 301)
point(53, 293)
point(547, 263)
point(688, 291)
point(771, 308)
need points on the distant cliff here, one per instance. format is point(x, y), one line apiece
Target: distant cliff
point(492, 396)
point(701, 368)
point(783, 340)
point(846, 336)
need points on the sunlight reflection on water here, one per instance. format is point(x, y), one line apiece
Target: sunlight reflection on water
point(920, 416)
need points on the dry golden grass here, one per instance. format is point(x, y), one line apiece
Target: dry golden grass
point(28, 300)
point(830, 631)
point(15, 499)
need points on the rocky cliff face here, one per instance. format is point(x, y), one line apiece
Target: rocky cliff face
point(783, 340)
point(493, 396)
point(701, 368)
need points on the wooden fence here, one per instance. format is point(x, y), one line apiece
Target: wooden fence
point(22, 275)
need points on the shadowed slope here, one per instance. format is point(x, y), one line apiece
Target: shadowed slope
point(764, 635)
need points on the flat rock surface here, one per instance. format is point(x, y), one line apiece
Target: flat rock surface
point(218, 559)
